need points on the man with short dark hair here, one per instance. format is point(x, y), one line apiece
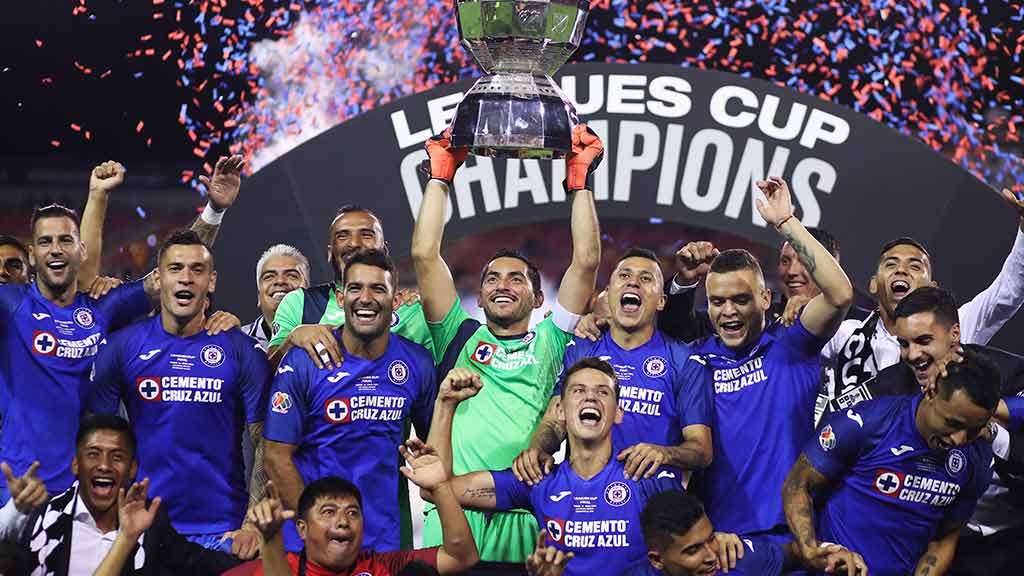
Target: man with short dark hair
point(190, 396)
point(765, 375)
point(665, 393)
point(898, 477)
point(306, 317)
point(588, 505)
point(346, 421)
point(74, 530)
point(861, 349)
point(682, 542)
point(518, 363)
point(14, 267)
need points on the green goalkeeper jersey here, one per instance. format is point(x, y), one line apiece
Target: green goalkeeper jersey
point(518, 375)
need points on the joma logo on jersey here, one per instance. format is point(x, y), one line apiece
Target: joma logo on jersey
point(484, 353)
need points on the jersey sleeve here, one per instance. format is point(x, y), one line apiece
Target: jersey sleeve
point(254, 376)
point(1016, 406)
point(124, 304)
point(985, 314)
point(398, 560)
point(838, 444)
point(803, 342)
point(442, 333)
point(510, 493)
point(104, 393)
point(666, 479)
point(286, 411)
point(287, 317)
point(981, 476)
point(412, 324)
point(693, 387)
point(423, 405)
point(574, 351)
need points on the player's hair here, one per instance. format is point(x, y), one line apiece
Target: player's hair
point(977, 375)
point(94, 422)
point(53, 211)
point(371, 257)
point(532, 272)
point(182, 237)
point(327, 487)
point(938, 301)
point(668, 514)
point(350, 208)
point(8, 240)
point(903, 241)
point(592, 362)
point(283, 250)
point(826, 239)
point(638, 252)
point(735, 260)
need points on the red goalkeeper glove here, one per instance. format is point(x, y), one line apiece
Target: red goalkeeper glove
point(586, 155)
point(444, 160)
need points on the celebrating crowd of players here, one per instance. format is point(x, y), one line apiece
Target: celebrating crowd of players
point(142, 434)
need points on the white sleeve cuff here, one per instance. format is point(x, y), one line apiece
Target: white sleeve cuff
point(12, 522)
point(565, 320)
point(1001, 443)
point(676, 288)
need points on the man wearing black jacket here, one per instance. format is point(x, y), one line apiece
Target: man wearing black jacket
point(72, 532)
point(928, 331)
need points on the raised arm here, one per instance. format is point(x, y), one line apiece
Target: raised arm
point(221, 192)
point(268, 516)
point(135, 516)
point(432, 274)
point(823, 314)
point(104, 178)
point(578, 282)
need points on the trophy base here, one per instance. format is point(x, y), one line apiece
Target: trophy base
point(515, 115)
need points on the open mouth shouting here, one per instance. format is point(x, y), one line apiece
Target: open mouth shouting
point(731, 328)
point(899, 288)
point(630, 302)
point(366, 314)
point(184, 297)
point(590, 417)
point(921, 367)
point(104, 488)
point(339, 541)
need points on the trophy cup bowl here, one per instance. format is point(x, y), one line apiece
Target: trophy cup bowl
point(517, 110)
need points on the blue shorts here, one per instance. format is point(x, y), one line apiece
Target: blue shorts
point(211, 541)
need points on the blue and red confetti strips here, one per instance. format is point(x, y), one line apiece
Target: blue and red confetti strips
point(257, 77)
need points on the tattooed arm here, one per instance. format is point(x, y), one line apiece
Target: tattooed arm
point(939, 556)
point(822, 314)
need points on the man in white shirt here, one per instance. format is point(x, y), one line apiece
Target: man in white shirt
point(281, 269)
point(71, 533)
point(860, 349)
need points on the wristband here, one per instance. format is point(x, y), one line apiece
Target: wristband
point(211, 216)
point(783, 221)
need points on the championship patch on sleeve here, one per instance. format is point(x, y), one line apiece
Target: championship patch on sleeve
point(827, 438)
point(281, 402)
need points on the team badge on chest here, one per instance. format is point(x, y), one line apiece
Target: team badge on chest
point(337, 410)
point(955, 462)
point(616, 494)
point(84, 318)
point(398, 372)
point(484, 353)
point(655, 366)
point(212, 355)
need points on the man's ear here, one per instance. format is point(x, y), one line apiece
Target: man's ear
point(74, 465)
point(873, 285)
point(618, 414)
point(954, 334)
point(654, 557)
point(661, 302)
point(766, 299)
point(538, 299)
point(301, 527)
point(213, 282)
point(339, 297)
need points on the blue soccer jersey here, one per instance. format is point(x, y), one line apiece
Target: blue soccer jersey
point(760, 558)
point(189, 400)
point(349, 421)
point(661, 389)
point(892, 492)
point(597, 519)
point(44, 367)
point(764, 413)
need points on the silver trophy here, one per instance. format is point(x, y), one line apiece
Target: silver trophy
point(517, 110)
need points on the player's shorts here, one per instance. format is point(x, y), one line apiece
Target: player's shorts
point(215, 541)
point(500, 536)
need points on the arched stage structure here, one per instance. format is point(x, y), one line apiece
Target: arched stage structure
point(682, 145)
